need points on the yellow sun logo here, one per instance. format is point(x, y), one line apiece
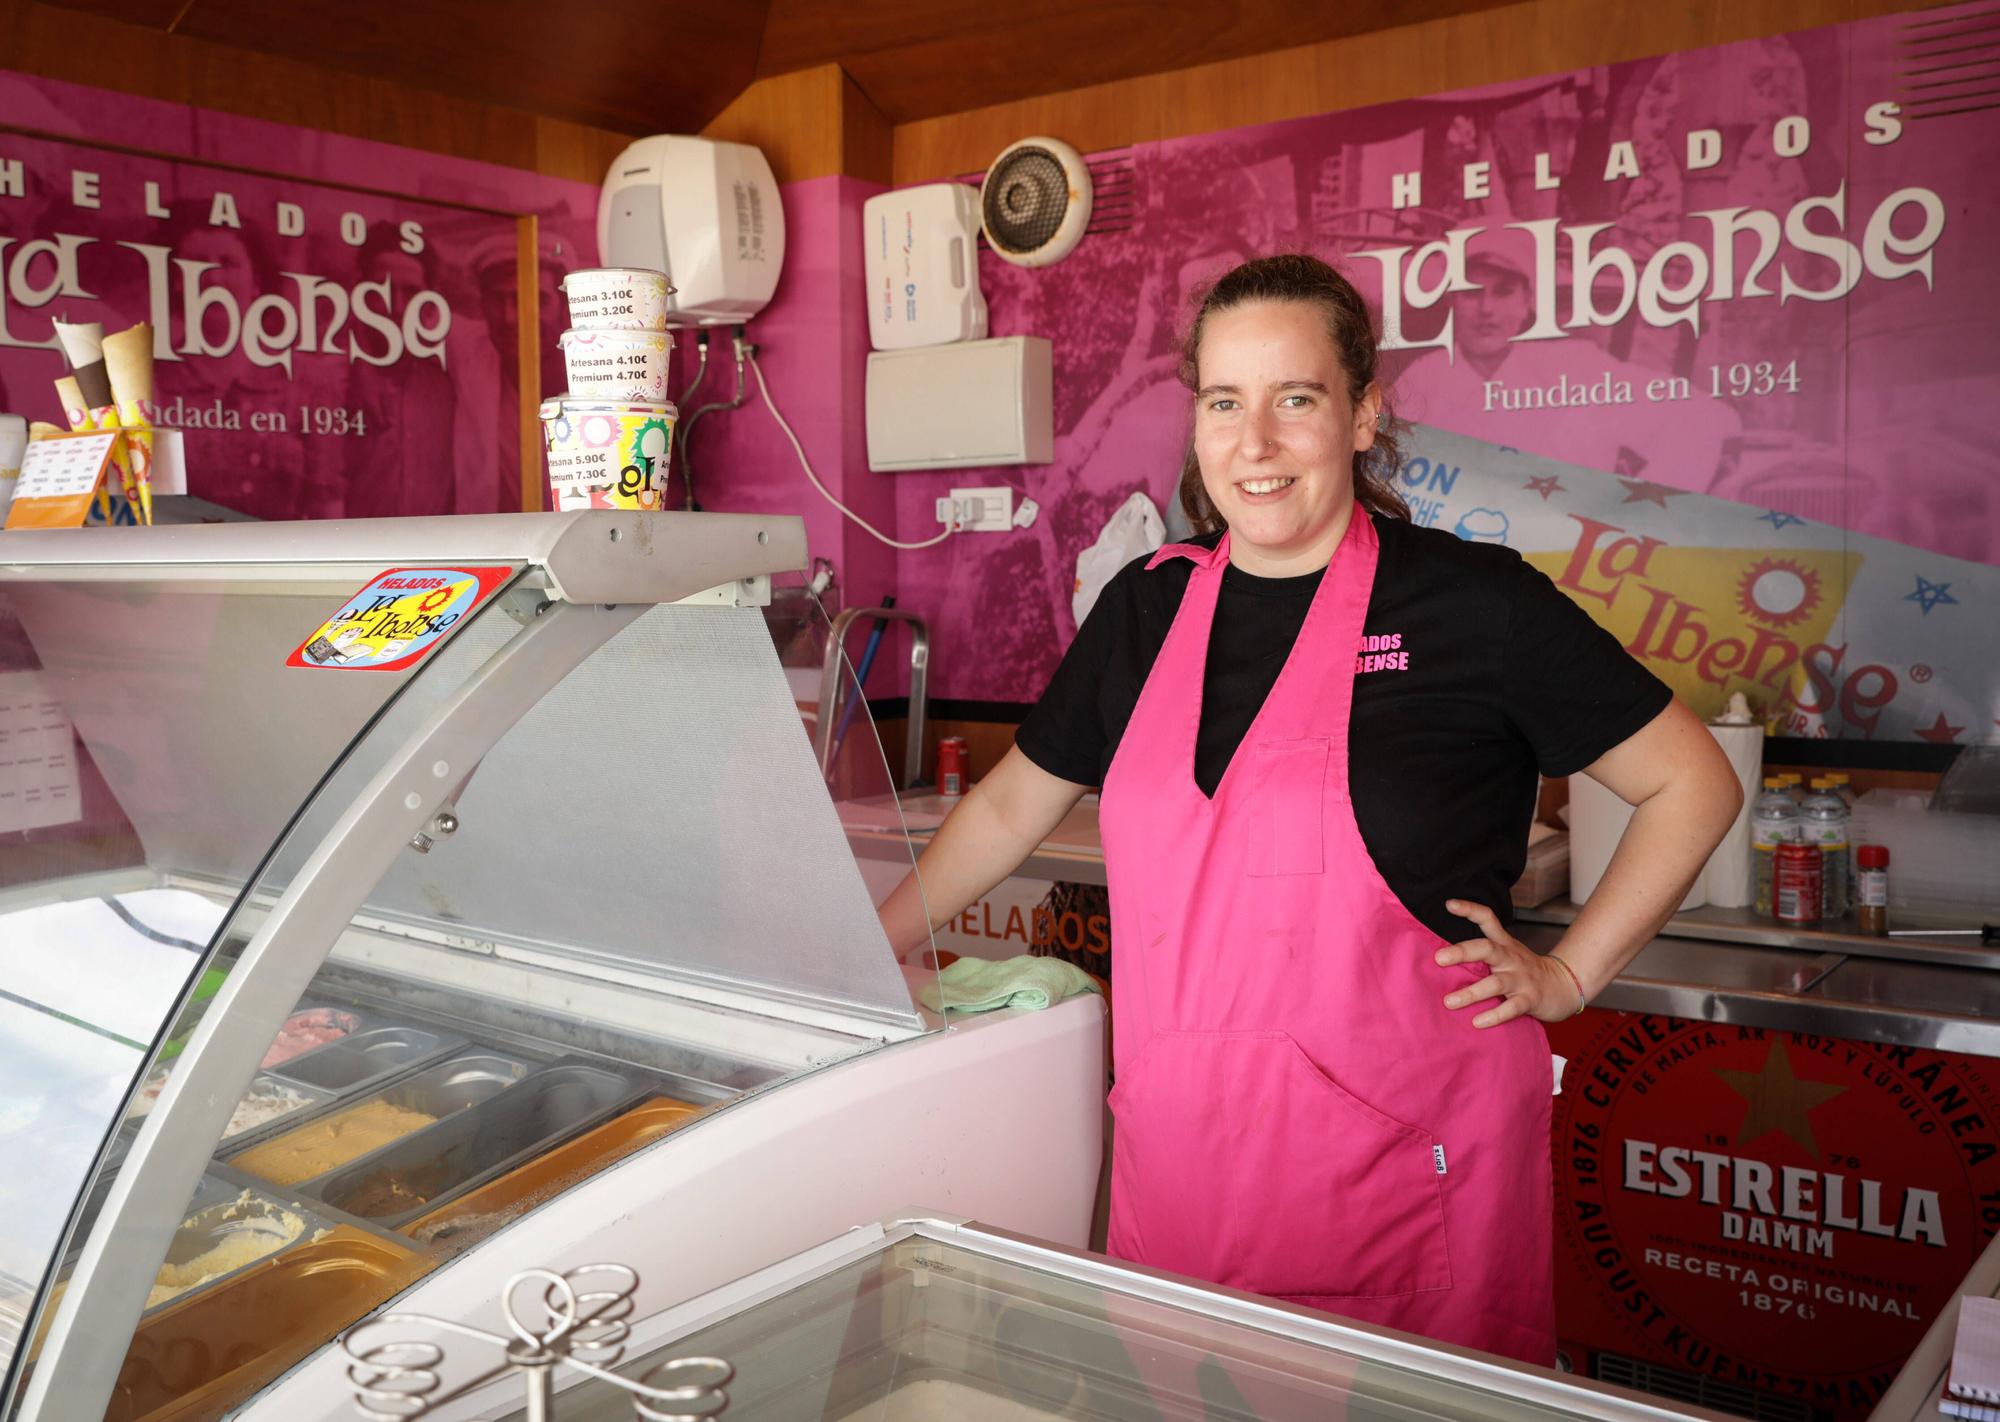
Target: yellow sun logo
point(1778, 592)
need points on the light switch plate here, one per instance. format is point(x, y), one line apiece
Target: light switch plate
point(986, 510)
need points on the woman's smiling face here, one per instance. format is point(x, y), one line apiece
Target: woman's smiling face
point(1275, 434)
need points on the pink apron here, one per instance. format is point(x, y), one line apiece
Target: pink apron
point(1298, 1114)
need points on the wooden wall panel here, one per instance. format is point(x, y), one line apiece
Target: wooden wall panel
point(110, 54)
point(811, 123)
point(1490, 46)
point(868, 139)
point(794, 118)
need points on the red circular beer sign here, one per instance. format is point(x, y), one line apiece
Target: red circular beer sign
point(1778, 1211)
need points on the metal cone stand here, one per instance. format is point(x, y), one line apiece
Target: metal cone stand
point(395, 1378)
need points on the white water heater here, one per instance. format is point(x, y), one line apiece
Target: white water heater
point(705, 213)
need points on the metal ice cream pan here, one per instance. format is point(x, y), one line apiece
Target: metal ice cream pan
point(366, 1059)
point(314, 1100)
point(451, 1086)
point(456, 1084)
point(413, 1176)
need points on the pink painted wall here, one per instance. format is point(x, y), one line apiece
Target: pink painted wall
point(212, 196)
point(1869, 412)
point(812, 343)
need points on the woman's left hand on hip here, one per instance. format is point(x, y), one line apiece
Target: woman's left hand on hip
point(1530, 984)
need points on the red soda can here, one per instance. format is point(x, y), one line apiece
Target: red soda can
point(953, 758)
point(1796, 873)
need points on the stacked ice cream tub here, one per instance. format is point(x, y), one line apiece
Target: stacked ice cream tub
point(610, 436)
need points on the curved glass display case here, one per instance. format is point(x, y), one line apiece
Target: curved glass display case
point(370, 889)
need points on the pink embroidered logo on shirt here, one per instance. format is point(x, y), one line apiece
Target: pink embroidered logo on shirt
point(1382, 651)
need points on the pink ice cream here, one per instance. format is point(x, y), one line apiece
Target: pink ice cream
point(303, 1031)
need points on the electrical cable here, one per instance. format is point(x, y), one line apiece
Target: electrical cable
point(806, 465)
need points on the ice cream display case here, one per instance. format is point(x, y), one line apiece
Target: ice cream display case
point(384, 904)
point(937, 1317)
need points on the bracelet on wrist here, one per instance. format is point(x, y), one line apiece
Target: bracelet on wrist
point(1581, 1000)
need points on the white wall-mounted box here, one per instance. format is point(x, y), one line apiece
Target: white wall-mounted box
point(920, 254)
point(965, 405)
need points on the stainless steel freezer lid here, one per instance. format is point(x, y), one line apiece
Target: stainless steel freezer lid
point(590, 555)
point(184, 812)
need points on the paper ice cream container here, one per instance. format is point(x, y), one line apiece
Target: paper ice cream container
point(617, 299)
point(606, 454)
point(618, 365)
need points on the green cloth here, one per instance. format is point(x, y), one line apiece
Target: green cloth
point(976, 985)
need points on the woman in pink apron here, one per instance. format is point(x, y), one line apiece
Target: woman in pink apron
point(1319, 1096)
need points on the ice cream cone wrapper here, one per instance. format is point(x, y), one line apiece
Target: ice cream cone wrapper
point(139, 455)
point(82, 342)
point(128, 360)
point(75, 411)
point(105, 417)
point(83, 347)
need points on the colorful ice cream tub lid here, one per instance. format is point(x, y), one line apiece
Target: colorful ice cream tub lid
point(589, 277)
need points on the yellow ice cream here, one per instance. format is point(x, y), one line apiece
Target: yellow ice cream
point(245, 1246)
point(245, 1230)
point(315, 1149)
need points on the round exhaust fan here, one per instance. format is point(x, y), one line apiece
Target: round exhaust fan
point(1035, 202)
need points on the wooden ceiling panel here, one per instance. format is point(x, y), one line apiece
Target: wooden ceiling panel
point(153, 14)
point(654, 68)
point(921, 58)
point(673, 65)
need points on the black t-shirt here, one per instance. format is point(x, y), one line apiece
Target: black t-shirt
point(1481, 673)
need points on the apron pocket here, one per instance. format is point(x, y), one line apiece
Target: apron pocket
point(1286, 819)
point(1237, 1160)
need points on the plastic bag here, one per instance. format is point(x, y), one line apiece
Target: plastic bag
point(1136, 528)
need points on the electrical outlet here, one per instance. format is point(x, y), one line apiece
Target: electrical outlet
point(985, 510)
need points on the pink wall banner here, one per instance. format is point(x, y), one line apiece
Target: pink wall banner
point(1760, 273)
point(336, 323)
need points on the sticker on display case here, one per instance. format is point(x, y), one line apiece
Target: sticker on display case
point(398, 619)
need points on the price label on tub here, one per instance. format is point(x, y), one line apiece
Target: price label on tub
point(398, 619)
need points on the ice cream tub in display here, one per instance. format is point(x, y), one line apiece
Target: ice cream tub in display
point(210, 1350)
point(304, 1030)
point(347, 1134)
point(214, 1243)
point(607, 455)
point(366, 1058)
point(473, 1216)
point(267, 1102)
point(617, 299)
point(617, 365)
point(420, 1172)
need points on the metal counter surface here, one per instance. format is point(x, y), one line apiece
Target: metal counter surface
point(1730, 965)
point(1708, 964)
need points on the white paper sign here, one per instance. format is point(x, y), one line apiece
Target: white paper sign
point(13, 444)
point(63, 468)
point(38, 785)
